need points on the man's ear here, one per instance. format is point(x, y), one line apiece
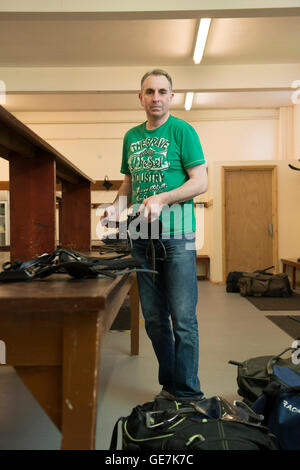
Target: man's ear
point(141, 98)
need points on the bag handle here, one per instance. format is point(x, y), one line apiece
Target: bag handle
point(274, 359)
point(114, 437)
point(261, 271)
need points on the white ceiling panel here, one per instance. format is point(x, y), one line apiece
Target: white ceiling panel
point(63, 42)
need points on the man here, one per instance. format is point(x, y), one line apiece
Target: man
point(164, 169)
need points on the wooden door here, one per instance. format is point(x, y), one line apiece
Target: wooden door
point(249, 218)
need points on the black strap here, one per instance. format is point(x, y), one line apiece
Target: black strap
point(71, 262)
point(114, 437)
point(261, 271)
point(274, 359)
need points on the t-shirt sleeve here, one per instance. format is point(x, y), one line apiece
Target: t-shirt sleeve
point(191, 148)
point(124, 166)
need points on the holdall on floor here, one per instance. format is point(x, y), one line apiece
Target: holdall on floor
point(264, 285)
point(280, 405)
point(256, 373)
point(209, 424)
point(232, 280)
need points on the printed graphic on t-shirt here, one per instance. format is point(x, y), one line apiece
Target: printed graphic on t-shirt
point(148, 161)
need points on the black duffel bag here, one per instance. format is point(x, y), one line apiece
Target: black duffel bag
point(209, 424)
point(256, 373)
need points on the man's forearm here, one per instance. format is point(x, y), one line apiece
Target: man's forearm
point(195, 185)
point(187, 191)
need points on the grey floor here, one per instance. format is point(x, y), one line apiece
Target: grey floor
point(230, 327)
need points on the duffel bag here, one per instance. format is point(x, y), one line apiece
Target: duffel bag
point(265, 285)
point(209, 424)
point(232, 281)
point(254, 374)
point(280, 406)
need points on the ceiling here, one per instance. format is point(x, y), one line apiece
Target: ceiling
point(66, 42)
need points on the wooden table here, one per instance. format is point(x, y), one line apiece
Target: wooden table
point(53, 331)
point(294, 264)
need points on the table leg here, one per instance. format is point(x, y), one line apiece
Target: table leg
point(75, 216)
point(283, 267)
point(81, 350)
point(134, 318)
point(294, 278)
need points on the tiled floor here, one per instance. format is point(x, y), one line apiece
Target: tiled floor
point(230, 328)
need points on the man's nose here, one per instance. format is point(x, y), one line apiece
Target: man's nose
point(155, 96)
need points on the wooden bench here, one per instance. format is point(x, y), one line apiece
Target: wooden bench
point(294, 264)
point(205, 259)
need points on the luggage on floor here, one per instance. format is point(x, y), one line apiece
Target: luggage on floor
point(209, 424)
point(256, 373)
point(271, 385)
point(232, 281)
point(259, 283)
point(264, 285)
point(280, 405)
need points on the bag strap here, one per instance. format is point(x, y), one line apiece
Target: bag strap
point(264, 270)
point(274, 359)
point(114, 437)
point(274, 391)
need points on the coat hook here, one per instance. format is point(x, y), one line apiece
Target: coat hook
point(107, 184)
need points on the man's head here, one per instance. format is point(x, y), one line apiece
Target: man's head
point(157, 72)
point(156, 95)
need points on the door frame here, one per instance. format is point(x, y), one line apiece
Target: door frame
point(273, 168)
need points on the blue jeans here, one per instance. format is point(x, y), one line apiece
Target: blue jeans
point(173, 294)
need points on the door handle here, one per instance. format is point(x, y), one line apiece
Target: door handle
point(271, 230)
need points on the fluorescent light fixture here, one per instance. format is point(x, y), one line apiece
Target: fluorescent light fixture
point(201, 39)
point(189, 100)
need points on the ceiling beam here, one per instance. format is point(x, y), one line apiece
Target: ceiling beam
point(262, 77)
point(119, 9)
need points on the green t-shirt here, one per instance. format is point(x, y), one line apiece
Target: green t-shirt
point(157, 160)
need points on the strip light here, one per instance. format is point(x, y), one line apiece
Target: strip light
point(201, 39)
point(189, 100)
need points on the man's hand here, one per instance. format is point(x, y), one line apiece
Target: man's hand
point(111, 214)
point(153, 205)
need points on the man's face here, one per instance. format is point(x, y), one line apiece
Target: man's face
point(156, 96)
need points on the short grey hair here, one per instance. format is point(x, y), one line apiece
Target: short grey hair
point(157, 72)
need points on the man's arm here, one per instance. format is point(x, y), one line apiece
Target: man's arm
point(196, 184)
